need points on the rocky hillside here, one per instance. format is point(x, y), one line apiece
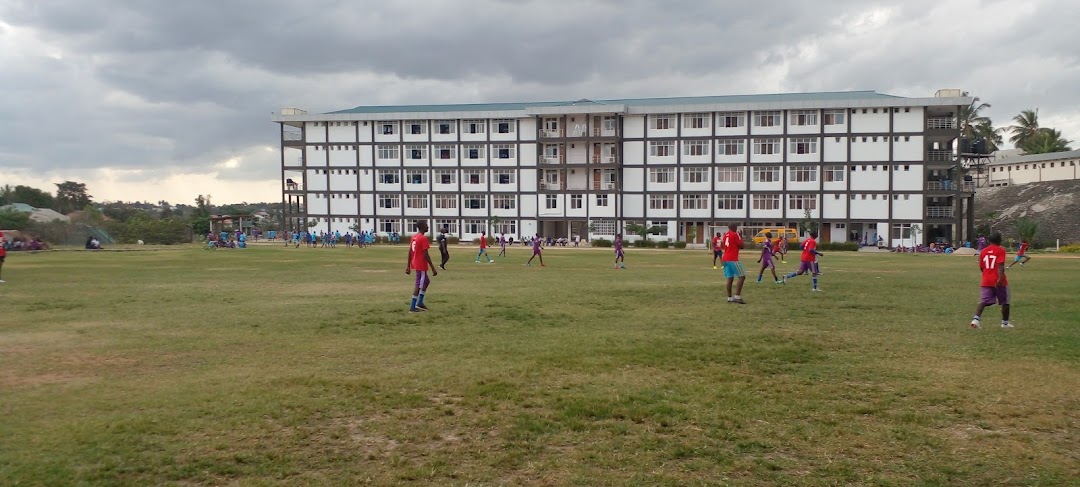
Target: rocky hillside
point(1054, 205)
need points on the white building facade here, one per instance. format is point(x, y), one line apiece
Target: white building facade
point(1034, 168)
point(859, 164)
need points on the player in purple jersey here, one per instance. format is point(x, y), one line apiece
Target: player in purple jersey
point(766, 259)
point(502, 245)
point(536, 251)
point(620, 258)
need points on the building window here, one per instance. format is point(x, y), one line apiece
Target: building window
point(503, 202)
point(473, 126)
point(391, 201)
point(803, 117)
point(732, 119)
point(474, 227)
point(475, 201)
point(766, 146)
point(767, 119)
point(729, 147)
point(765, 202)
point(802, 174)
point(602, 200)
point(695, 174)
point(661, 175)
point(388, 128)
point(901, 230)
point(603, 227)
point(834, 117)
point(417, 201)
point(833, 174)
point(695, 202)
point(729, 202)
point(444, 176)
point(416, 152)
point(662, 122)
point(696, 147)
point(503, 176)
point(416, 177)
point(473, 176)
point(804, 145)
point(446, 127)
point(506, 227)
point(696, 120)
point(417, 128)
point(389, 177)
point(390, 226)
point(388, 152)
point(551, 202)
point(474, 151)
point(802, 202)
point(451, 226)
point(575, 201)
point(504, 126)
point(766, 174)
point(661, 202)
point(446, 201)
point(445, 151)
point(730, 174)
point(503, 151)
point(662, 148)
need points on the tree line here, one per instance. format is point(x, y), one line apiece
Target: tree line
point(1025, 133)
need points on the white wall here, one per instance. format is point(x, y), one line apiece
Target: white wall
point(870, 121)
point(634, 126)
point(870, 150)
point(633, 206)
point(909, 121)
point(874, 206)
point(866, 177)
point(835, 150)
point(834, 208)
point(633, 153)
point(634, 179)
point(908, 148)
point(907, 177)
point(342, 132)
point(313, 133)
point(907, 209)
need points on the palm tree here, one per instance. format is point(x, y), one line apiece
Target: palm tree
point(1027, 125)
point(970, 118)
point(992, 136)
point(1046, 140)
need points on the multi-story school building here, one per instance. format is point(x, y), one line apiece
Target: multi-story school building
point(859, 164)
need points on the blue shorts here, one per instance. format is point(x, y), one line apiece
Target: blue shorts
point(1018, 258)
point(733, 269)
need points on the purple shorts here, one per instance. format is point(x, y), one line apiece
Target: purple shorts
point(536, 251)
point(810, 267)
point(422, 279)
point(994, 295)
point(767, 262)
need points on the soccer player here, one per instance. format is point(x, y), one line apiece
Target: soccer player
point(443, 251)
point(420, 261)
point(733, 269)
point(808, 261)
point(766, 259)
point(994, 287)
point(620, 258)
point(502, 245)
point(483, 249)
point(536, 251)
point(1021, 255)
point(717, 249)
point(3, 253)
point(781, 247)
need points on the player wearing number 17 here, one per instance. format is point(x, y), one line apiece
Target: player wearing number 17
point(994, 287)
point(732, 242)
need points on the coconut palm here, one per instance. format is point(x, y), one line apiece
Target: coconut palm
point(970, 117)
point(1046, 140)
point(991, 135)
point(1026, 126)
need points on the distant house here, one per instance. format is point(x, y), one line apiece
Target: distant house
point(36, 214)
point(1034, 168)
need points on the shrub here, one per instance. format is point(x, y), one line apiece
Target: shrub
point(599, 242)
point(663, 244)
point(644, 244)
point(837, 246)
point(680, 245)
point(1071, 248)
point(452, 240)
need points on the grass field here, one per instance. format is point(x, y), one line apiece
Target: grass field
point(274, 366)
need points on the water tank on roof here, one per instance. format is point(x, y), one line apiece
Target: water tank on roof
point(948, 93)
point(293, 111)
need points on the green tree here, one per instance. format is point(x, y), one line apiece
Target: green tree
point(1027, 228)
point(27, 195)
point(1025, 126)
point(71, 196)
point(1046, 140)
point(993, 137)
point(642, 230)
point(11, 219)
point(807, 224)
point(970, 118)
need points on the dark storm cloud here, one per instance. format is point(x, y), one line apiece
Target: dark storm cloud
point(184, 86)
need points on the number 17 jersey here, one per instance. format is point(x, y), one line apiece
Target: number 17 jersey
point(989, 259)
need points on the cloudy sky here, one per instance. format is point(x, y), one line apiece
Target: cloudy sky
point(151, 100)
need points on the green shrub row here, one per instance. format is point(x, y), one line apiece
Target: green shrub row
point(823, 246)
point(599, 242)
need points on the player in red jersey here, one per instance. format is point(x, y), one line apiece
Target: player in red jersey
point(483, 249)
point(3, 252)
point(733, 269)
point(1021, 255)
point(994, 287)
point(717, 249)
point(420, 261)
point(808, 261)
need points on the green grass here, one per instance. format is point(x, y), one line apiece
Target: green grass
point(274, 366)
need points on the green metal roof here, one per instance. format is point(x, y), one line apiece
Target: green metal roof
point(686, 100)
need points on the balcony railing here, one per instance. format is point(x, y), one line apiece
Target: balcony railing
point(933, 123)
point(938, 155)
point(550, 159)
point(549, 186)
point(599, 159)
point(603, 132)
point(969, 186)
point(939, 211)
point(941, 185)
point(550, 133)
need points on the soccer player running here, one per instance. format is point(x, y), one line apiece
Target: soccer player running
point(537, 248)
point(717, 249)
point(808, 261)
point(994, 287)
point(781, 247)
point(733, 269)
point(483, 249)
point(502, 245)
point(443, 251)
point(420, 261)
point(1021, 255)
point(3, 253)
point(620, 258)
point(766, 259)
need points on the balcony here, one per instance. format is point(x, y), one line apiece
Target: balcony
point(552, 186)
point(603, 132)
point(599, 159)
point(939, 211)
point(551, 133)
point(552, 159)
point(603, 186)
point(938, 155)
point(292, 138)
point(940, 123)
point(969, 186)
point(945, 185)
